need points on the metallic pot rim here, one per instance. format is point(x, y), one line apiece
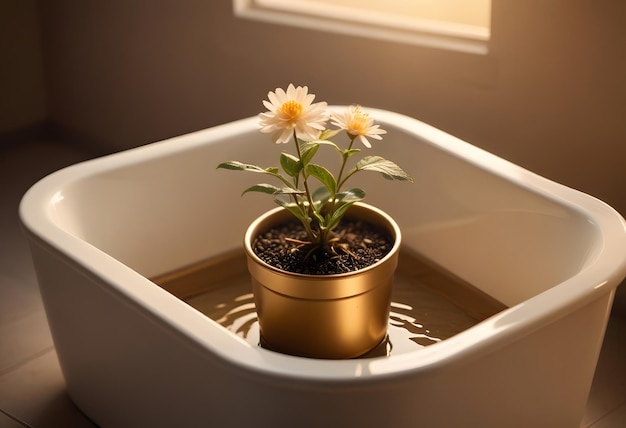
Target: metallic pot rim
point(321, 286)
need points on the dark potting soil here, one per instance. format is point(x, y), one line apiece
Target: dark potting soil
point(360, 245)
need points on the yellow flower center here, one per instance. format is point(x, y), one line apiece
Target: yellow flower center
point(291, 110)
point(359, 122)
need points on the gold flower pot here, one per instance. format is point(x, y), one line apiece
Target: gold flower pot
point(323, 316)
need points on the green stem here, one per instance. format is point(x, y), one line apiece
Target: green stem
point(344, 158)
point(304, 177)
point(350, 174)
point(310, 232)
point(343, 163)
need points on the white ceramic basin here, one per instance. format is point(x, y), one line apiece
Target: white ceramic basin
point(134, 355)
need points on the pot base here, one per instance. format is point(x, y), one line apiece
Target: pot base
point(382, 349)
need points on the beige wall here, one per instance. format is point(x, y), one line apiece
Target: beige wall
point(22, 100)
point(550, 96)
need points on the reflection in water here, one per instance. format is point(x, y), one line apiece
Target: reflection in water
point(405, 332)
point(428, 306)
point(240, 316)
point(400, 317)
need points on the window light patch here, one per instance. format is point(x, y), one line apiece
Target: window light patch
point(448, 24)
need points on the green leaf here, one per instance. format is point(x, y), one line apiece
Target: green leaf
point(262, 188)
point(324, 176)
point(294, 209)
point(327, 134)
point(349, 152)
point(272, 190)
point(321, 193)
point(321, 196)
point(291, 164)
point(321, 221)
point(387, 168)
point(351, 195)
point(307, 144)
point(239, 166)
point(338, 214)
point(308, 151)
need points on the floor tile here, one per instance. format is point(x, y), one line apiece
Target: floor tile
point(8, 422)
point(22, 339)
point(615, 419)
point(609, 384)
point(35, 394)
point(19, 295)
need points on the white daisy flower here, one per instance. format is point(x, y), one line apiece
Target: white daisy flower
point(291, 111)
point(358, 124)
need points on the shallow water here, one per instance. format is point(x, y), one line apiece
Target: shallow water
point(428, 305)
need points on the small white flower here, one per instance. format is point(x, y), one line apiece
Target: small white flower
point(358, 124)
point(293, 110)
